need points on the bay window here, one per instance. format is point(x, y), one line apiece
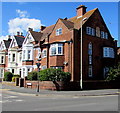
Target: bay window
point(29, 54)
point(2, 59)
point(56, 49)
point(13, 57)
point(108, 52)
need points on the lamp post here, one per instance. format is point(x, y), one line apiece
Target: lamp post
point(81, 86)
point(38, 65)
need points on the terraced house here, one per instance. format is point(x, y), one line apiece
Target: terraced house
point(59, 46)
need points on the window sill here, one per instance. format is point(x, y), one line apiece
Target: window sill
point(27, 60)
point(56, 55)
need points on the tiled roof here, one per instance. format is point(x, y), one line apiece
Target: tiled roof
point(19, 40)
point(36, 35)
point(73, 22)
point(47, 31)
point(68, 23)
point(77, 21)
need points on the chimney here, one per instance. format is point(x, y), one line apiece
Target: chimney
point(21, 33)
point(65, 18)
point(30, 29)
point(81, 10)
point(18, 33)
point(42, 28)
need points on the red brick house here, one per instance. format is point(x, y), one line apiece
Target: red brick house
point(59, 45)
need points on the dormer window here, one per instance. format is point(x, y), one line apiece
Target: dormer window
point(59, 31)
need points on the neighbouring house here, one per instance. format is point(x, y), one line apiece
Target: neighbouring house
point(59, 46)
point(4, 45)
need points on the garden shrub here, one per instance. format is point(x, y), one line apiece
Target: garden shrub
point(32, 75)
point(114, 74)
point(54, 75)
point(8, 76)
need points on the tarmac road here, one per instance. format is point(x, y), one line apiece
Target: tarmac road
point(56, 101)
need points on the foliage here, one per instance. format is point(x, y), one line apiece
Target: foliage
point(8, 76)
point(14, 77)
point(114, 74)
point(54, 75)
point(32, 75)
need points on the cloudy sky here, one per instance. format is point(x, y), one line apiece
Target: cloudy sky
point(18, 16)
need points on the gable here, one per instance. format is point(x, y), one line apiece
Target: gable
point(2, 45)
point(96, 21)
point(13, 43)
point(29, 38)
point(59, 24)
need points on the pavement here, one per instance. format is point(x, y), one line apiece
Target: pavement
point(48, 93)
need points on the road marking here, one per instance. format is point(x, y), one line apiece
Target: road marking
point(5, 101)
point(11, 97)
point(18, 100)
point(4, 89)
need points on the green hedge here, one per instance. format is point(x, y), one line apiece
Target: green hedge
point(54, 75)
point(32, 75)
point(8, 76)
point(50, 74)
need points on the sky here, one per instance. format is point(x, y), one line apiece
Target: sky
point(18, 16)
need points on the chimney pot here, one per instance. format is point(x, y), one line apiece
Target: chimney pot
point(42, 28)
point(81, 10)
point(30, 29)
point(18, 33)
point(21, 33)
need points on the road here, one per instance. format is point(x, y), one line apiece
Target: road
point(19, 102)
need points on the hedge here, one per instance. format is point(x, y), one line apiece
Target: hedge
point(8, 76)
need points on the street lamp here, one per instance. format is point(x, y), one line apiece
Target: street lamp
point(81, 86)
point(38, 65)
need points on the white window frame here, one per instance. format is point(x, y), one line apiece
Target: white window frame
point(20, 56)
point(43, 67)
point(90, 48)
point(24, 51)
point(13, 57)
point(57, 67)
point(108, 52)
point(93, 31)
point(28, 54)
point(88, 30)
point(1, 73)
point(90, 71)
point(44, 53)
point(2, 61)
point(56, 47)
point(106, 35)
point(59, 31)
point(9, 57)
point(90, 59)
